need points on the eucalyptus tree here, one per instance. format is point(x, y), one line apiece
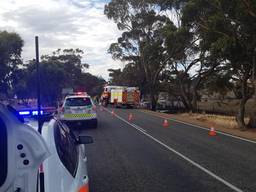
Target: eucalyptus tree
point(228, 29)
point(226, 32)
point(10, 59)
point(142, 40)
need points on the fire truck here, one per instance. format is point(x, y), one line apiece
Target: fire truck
point(120, 96)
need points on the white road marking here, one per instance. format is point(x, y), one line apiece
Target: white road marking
point(141, 129)
point(204, 128)
point(231, 186)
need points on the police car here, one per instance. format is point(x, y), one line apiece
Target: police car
point(78, 109)
point(58, 152)
point(22, 150)
point(66, 169)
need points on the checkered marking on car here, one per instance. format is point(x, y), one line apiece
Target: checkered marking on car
point(85, 115)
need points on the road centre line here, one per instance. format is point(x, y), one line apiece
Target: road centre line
point(231, 186)
point(200, 127)
point(138, 127)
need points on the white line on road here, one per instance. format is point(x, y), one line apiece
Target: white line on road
point(204, 128)
point(231, 186)
point(141, 129)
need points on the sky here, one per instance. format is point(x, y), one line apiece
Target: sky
point(63, 24)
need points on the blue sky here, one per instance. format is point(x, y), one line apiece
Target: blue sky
point(63, 24)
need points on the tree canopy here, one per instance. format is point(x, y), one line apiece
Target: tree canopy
point(61, 69)
point(10, 58)
point(188, 45)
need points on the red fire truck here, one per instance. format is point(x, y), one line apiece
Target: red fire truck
point(121, 96)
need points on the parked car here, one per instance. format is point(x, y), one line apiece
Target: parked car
point(66, 169)
point(79, 110)
point(22, 150)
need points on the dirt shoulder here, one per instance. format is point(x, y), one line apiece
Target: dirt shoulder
point(221, 123)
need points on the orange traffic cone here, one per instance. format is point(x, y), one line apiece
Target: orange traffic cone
point(212, 132)
point(165, 123)
point(130, 117)
point(113, 113)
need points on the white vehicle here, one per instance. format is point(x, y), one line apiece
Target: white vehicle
point(79, 110)
point(22, 150)
point(65, 170)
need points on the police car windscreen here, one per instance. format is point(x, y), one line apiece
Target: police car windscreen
point(3, 152)
point(78, 102)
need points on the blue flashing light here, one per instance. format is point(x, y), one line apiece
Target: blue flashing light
point(36, 112)
point(24, 113)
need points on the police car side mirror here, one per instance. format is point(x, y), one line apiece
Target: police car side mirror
point(22, 150)
point(85, 140)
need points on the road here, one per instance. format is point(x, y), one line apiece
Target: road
point(143, 156)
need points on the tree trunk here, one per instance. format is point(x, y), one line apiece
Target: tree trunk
point(194, 93)
point(153, 102)
point(252, 121)
point(241, 114)
point(194, 100)
point(185, 98)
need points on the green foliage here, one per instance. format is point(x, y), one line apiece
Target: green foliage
point(10, 58)
point(63, 68)
point(213, 44)
point(59, 70)
point(225, 30)
point(141, 43)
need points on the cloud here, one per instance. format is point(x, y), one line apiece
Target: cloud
point(63, 24)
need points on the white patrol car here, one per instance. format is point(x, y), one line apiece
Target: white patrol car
point(66, 169)
point(79, 110)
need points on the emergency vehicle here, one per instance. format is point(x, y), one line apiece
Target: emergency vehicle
point(78, 109)
point(22, 150)
point(66, 169)
point(106, 95)
point(121, 96)
point(58, 152)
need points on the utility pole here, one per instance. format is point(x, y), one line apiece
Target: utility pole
point(38, 86)
point(40, 124)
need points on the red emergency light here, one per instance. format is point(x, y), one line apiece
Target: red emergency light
point(80, 93)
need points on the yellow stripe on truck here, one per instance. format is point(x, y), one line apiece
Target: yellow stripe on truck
point(79, 115)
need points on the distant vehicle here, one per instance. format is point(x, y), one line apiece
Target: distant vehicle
point(78, 109)
point(66, 169)
point(121, 96)
point(106, 95)
point(145, 104)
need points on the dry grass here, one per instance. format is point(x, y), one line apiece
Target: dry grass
point(226, 106)
point(215, 120)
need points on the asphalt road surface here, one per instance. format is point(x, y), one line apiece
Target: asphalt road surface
point(143, 156)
